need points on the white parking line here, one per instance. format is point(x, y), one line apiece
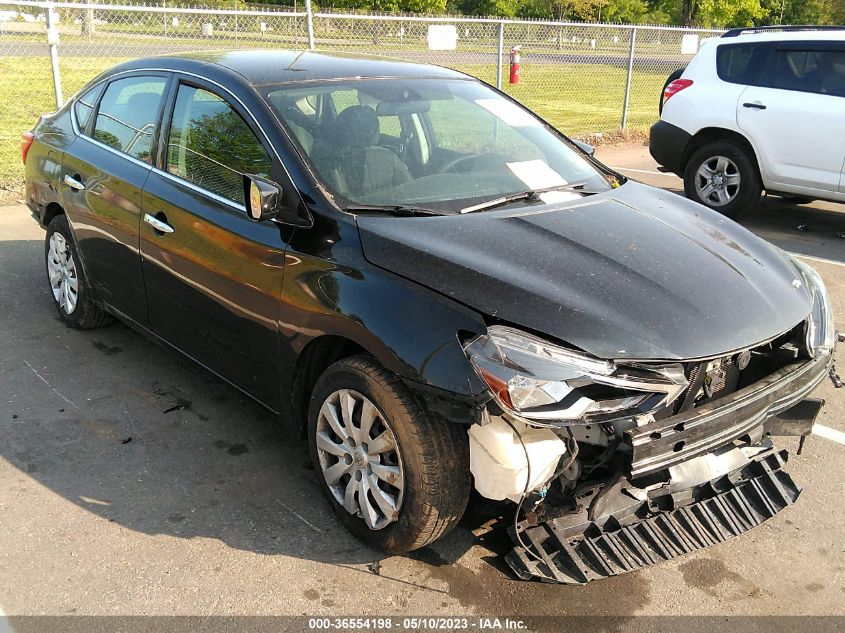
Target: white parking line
point(5, 627)
point(643, 171)
point(817, 259)
point(829, 434)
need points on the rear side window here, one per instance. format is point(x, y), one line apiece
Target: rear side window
point(127, 115)
point(815, 71)
point(211, 146)
point(85, 105)
point(741, 63)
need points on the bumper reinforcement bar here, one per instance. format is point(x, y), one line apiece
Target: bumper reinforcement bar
point(727, 508)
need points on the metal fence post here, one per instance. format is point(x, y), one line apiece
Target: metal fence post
point(501, 52)
point(309, 20)
point(53, 48)
point(629, 78)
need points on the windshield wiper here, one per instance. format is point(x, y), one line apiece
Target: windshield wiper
point(400, 210)
point(533, 194)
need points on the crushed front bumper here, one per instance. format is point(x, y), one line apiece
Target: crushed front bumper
point(565, 551)
point(721, 477)
point(664, 443)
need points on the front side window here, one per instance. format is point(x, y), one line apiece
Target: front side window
point(441, 144)
point(815, 71)
point(85, 105)
point(128, 113)
point(211, 146)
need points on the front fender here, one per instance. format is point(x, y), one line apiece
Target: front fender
point(411, 330)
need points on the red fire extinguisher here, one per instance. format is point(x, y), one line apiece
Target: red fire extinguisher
point(514, 78)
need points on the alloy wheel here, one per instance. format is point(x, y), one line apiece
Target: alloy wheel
point(61, 269)
point(359, 458)
point(717, 181)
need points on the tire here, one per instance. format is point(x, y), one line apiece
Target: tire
point(675, 75)
point(431, 456)
point(66, 280)
point(739, 185)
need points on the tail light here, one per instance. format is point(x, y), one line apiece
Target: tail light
point(26, 143)
point(675, 87)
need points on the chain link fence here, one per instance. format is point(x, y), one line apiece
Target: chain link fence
point(589, 80)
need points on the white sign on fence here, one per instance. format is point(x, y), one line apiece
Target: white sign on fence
point(442, 37)
point(689, 44)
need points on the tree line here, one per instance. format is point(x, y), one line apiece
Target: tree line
point(701, 13)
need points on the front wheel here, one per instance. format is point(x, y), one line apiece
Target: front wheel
point(396, 478)
point(723, 177)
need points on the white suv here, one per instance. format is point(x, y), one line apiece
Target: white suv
point(757, 109)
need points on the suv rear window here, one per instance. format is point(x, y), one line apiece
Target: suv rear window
point(741, 63)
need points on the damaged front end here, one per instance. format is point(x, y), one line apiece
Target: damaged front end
point(619, 465)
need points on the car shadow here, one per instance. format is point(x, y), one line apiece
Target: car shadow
point(138, 435)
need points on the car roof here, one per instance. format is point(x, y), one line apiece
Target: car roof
point(830, 35)
point(259, 67)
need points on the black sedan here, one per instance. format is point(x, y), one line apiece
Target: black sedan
point(441, 292)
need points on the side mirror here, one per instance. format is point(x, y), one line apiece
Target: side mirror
point(588, 149)
point(263, 198)
point(265, 201)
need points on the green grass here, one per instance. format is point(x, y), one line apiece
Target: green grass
point(26, 91)
point(581, 99)
point(578, 99)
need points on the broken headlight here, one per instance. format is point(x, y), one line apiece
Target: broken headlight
point(821, 336)
point(539, 380)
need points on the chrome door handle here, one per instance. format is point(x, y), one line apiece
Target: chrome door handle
point(158, 225)
point(73, 183)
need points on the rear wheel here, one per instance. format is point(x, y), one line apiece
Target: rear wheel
point(722, 176)
point(396, 478)
point(68, 286)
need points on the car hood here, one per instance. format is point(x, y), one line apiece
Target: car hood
point(634, 273)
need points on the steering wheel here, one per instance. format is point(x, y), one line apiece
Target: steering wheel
point(450, 166)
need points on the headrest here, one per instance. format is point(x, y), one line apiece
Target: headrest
point(142, 107)
point(357, 126)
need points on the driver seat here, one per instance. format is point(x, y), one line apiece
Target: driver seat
point(362, 167)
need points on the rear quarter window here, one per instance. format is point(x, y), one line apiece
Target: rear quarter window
point(741, 63)
point(85, 104)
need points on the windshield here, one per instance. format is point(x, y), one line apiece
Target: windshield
point(448, 145)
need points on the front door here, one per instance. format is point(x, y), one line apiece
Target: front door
point(103, 174)
point(213, 276)
point(795, 115)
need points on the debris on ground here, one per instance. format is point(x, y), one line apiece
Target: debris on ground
point(179, 406)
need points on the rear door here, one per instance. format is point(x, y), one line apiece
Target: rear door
point(213, 276)
point(795, 116)
point(102, 177)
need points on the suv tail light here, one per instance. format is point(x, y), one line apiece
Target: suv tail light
point(26, 143)
point(675, 87)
